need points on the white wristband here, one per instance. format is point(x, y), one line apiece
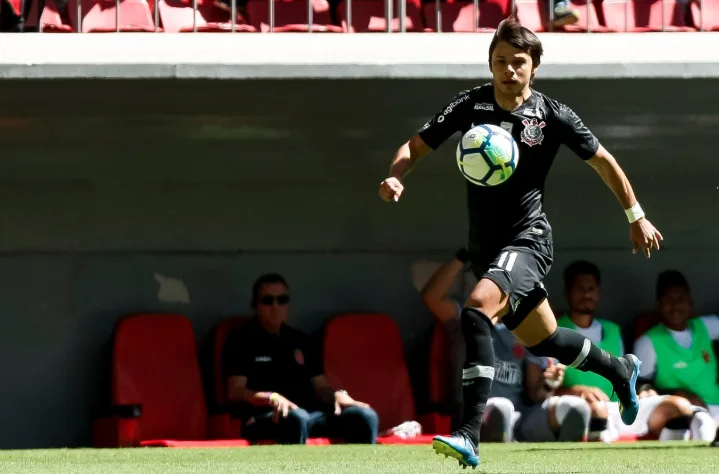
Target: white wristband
point(634, 213)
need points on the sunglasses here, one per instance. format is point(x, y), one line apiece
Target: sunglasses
point(269, 299)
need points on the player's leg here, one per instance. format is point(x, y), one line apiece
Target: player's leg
point(539, 332)
point(675, 418)
point(498, 421)
point(563, 418)
point(483, 307)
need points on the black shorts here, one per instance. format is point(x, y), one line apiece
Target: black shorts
point(518, 268)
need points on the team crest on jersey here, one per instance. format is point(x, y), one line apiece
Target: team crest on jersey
point(299, 357)
point(705, 355)
point(532, 133)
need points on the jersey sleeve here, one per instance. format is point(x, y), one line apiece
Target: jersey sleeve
point(712, 323)
point(644, 350)
point(575, 135)
point(446, 122)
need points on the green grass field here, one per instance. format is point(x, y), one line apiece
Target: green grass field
point(514, 458)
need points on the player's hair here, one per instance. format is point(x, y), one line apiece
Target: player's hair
point(670, 279)
point(580, 267)
point(511, 31)
point(267, 278)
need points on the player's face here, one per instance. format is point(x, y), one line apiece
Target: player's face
point(584, 294)
point(512, 69)
point(675, 307)
point(273, 305)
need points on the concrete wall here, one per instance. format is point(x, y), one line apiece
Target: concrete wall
point(108, 188)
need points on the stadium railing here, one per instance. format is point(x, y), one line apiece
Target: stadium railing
point(389, 14)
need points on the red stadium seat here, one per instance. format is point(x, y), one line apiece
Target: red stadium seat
point(644, 322)
point(588, 18)
point(219, 338)
point(364, 354)
point(292, 16)
point(644, 15)
point(458, 16)
point(707, 18)
point(104, 16)
point(156, 391)
point(439, 379)
point(177, 16)
point(369, 16)
point(50, 20)
point(531, 14)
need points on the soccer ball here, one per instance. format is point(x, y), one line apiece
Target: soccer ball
point(487, 155)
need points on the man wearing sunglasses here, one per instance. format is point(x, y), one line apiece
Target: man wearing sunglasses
point(275, 376)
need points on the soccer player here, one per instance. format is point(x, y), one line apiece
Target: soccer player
point(510, 239)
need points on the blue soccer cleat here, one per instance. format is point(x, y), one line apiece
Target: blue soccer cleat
point(459, 447)
point(628, 399)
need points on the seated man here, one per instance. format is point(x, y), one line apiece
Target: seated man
point(677, 354)
point(668, 417)
point(276, 379)
point(520, 404)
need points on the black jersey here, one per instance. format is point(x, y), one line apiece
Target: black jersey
point(539, 126)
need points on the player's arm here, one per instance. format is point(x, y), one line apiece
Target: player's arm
point(435, 293)
point(432, 134)
point(582, 141)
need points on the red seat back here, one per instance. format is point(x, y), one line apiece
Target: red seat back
point(289, 13)
point(364, 354)
point(644, 322)
point(531, 14)
point(155, 365)
point(105, 16)
point(458, 16)
point(370, 16)
point(221, 333)
point(708, 17)
point(439, 365)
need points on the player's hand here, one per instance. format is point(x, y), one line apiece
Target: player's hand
point(644, 236)
point(342, 400)
point(390, 189)
point(554, 373)
point(280, 407)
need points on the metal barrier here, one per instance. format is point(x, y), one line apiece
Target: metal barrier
point(389, 4)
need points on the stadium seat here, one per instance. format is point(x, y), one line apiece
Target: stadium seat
point(156, 393)
point(49, 20)
point(588, 18)
point(439, 367)
point(220, 334)
point(458, 16)
point(104, 16)
point(531, 14)
point(644, 322)
point(177, 16)
point(364, 354)
point(707, 19)
point(369, 16)
point(292, 16)
point(639, 16)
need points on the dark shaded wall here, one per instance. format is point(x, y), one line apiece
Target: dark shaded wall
point(110, 187)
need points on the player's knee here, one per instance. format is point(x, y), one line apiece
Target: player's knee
point(497, 423)
point(573, 415)
point(599, 410)
point(676, 406)
point(488, 298)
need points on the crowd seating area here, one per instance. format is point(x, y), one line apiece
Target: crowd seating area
point(338, 16)
point(158, 397)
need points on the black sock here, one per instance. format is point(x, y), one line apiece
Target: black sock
point(574, 350)
point(478, 371)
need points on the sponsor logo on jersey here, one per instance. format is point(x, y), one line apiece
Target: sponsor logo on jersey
point(263, 359)
point(454, 104)
point(508, 126)
point(533, 113)
point(507, 372)
point(484, 106)
point(532, 133)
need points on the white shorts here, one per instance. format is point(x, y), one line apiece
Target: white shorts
point(640, 427)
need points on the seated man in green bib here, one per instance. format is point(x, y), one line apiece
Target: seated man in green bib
point(663, 416)
point(678, 355)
